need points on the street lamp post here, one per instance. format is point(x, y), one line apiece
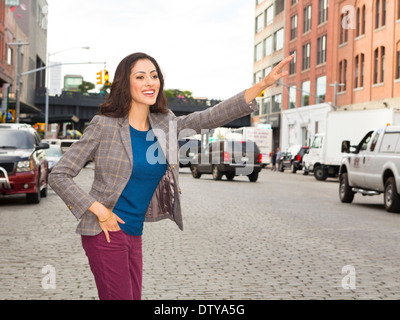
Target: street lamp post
point(47, 85)
point(19, 45)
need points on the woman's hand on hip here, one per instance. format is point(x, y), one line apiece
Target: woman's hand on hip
point(110, 224)
point(108, 220)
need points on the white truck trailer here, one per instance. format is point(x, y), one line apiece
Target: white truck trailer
point(325, 154)
point(261, 135)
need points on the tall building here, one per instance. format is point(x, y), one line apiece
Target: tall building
point(22, 21)
point(366, 53)
point(308, 33)
point(347, 56)
point(269, 40)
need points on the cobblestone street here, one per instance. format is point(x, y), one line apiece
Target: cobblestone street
point(287, 236)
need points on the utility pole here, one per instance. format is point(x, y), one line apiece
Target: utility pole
point(19, 45)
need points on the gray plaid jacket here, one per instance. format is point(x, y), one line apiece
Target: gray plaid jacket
point(108, 141)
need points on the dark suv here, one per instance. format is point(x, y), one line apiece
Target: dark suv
point(23, 164)
point(229, 158)
point(293, 158)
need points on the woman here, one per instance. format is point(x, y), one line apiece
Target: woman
point(133, 129)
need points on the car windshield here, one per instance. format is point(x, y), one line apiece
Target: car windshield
point(54, 152)
point(15, 139)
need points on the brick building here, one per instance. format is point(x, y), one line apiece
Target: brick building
point(269, 42)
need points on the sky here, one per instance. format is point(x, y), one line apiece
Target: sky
point(204, 46)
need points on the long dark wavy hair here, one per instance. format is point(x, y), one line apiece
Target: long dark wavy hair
point(119, 100)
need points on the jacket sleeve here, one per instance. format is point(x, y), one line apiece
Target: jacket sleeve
point(69, 166)
point(218, 115)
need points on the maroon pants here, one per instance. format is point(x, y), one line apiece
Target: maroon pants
point(117, 266)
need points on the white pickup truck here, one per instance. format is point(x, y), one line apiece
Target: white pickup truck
point(373, 167)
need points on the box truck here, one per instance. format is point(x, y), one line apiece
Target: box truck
point(325, 154)
point(261, 135)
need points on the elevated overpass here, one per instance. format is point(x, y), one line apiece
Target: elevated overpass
point(79, 108)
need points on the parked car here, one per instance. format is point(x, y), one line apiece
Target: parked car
point(373, 167)
point(53, 154)
point(23, 163)
point(293, 158)
point(188, 148)
point(229, 158)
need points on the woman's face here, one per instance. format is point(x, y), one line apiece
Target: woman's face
point(144, 83)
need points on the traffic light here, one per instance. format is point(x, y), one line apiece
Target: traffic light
point(99, 77)
point(106, 78)
point(261, 94)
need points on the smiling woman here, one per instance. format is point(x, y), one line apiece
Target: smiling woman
point(135, 128)
point(118, 103)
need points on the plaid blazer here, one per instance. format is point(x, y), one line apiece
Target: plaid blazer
point(108, 141)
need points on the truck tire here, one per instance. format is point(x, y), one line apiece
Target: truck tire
point(391, 197)
point(320, 174)
point(34, 197)
point(230, 175)
point(195, 171)
point(216, 173)
point(253, 177)
point(346, 195)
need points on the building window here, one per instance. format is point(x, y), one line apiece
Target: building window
point(292, 64)
point(376, 63)
point(307, 19)
point(398, 64)
point(321, 50)
point(398, 9)
point(292, 97)
point(377, 13)
point(266, 71)
point(343, 31)
point(278, 40)
point(322, 11)
point(383, 13)
point(266, 105)
point(306, 56)
point(379, 65)
point(257, 77)
point(294, 2)
point(382, 64)
point(362, 66)
point(305, 93)
point(258, 52)
point(259, 23)
point(293, 27)
point(277, 103)
point(357, 67)
point(279, 6)
point(342, 75)
point(321, 89)
point(380, 13)
point(268, 46)
point(9, 56)
point(269, 15)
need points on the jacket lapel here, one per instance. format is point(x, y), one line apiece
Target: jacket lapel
point(126, 137)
